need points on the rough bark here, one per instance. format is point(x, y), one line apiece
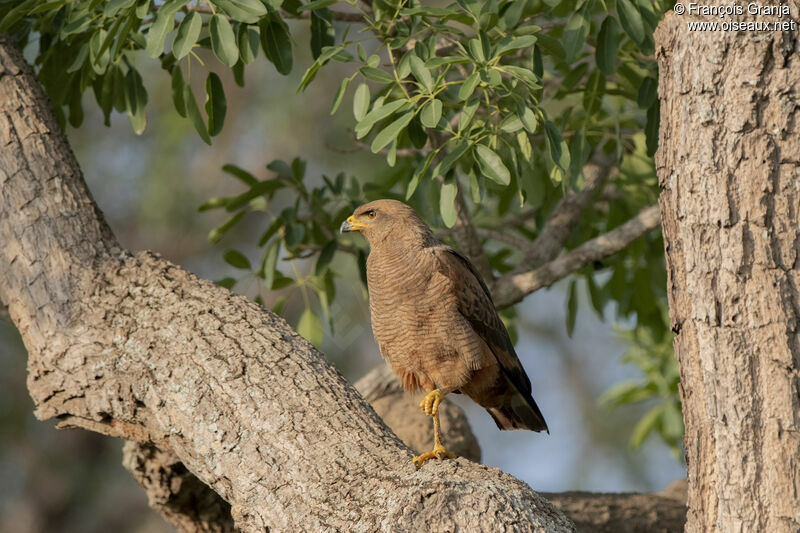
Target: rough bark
point(132, 346)
point(662, 512)
point(727, 163)
point(184, 501)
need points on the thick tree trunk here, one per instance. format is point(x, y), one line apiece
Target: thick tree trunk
point(135, 347)
point(727, 162)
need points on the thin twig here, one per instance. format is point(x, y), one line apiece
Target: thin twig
point(513, 287)
point(564, 218)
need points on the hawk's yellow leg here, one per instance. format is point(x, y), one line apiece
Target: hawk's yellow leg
point(430, 404)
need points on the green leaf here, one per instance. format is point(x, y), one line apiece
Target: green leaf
point(80, 58)
point(572, 308)
point(450, 159)
point(213, 203)
point(293, 235)
point(417, 134)
point(631, 20)
point(648, 91)
point(241, 174)
point(435, 62)
point(325, 257)
point(113, 6)
point(142, 7)
point(163, 24)
point(524, 74)
point(468, 87)
point(528, 119)
point(223, 41)
point(491, 165)
point(646, 425)
point(390, 132)
point(511, 124)
point(236, 260)
point(337, 100)
point(421, 72)
point(579, 151)
point(556, 153)
point(467, 112)
point(193, 111)
point(216, 104)
point(575, 33)
point(276, 43)
point(551, 46)
point(404, 65)
point(99, 55)
point(509, 44)
point(16, 14)
point(475, 187)
point(361, 101)
point(626, 393)
point(228, 282)
point(216, 234)
point(249, 11)
point(376, 74)
point(598, 297)
point(270, 231)
point(431, 113)
point(607, 46)
point(421, 171)
point(270, 263)
point(317, 4)
point(249, 40)
point(377, 114)
point(135, 101)
point(447, 203)
point(187, 35)
point(310, 328)
point(593, 92)
point(262, 188)
point(322, 33)
point(476, 50)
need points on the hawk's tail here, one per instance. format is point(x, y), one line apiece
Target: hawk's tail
point(519, 412)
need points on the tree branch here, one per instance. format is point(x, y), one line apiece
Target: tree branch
point(184, 501)
point(662, 512)
point(513, 287)
point(134, 346)
point(550, 241)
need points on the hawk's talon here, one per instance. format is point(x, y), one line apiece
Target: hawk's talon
point(438, 452)
point(430, 403)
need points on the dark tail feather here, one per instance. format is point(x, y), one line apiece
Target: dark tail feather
point(519, 413)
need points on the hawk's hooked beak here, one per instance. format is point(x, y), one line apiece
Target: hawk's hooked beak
point(351, 224)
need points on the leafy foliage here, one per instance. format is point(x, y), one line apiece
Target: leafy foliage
point(493, 104)
point(651, 351)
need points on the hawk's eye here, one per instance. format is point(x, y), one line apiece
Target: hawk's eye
point(371, 213)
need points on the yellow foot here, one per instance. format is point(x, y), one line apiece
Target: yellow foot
point(438, 453)
point(430, 403)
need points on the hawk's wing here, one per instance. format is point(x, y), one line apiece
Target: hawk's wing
point(475, 304)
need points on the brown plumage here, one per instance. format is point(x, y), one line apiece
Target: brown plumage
point(434, 320)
